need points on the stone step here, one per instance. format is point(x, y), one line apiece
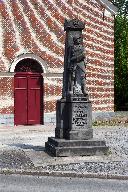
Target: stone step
point(70, 143)
point(75, 150)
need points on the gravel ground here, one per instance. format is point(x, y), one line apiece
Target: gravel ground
point(116, 162)
point(116, 138)
point(15, 160)
point(23, 148)
point(113, 167)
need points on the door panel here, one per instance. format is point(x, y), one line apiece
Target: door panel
point(20, 101)
point(28, 99)
point(34, 100)
point(20, 82)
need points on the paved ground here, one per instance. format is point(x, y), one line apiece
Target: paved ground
point(23, 183)
point(22, 149)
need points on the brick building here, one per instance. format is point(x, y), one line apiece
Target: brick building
point(32, 41)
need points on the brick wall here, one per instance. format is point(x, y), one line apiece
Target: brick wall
point(36, 26)
point(6, 95)
point(52, 92)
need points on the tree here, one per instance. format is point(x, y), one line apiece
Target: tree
point(121, 63)
point(121, 55)
point(122, 6)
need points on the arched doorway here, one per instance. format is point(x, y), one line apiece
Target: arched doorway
point(28, 93)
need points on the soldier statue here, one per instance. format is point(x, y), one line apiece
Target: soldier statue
point(76, 67)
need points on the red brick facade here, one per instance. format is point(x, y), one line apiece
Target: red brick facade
point(36, 27)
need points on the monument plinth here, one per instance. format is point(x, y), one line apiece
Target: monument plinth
point(74, 133)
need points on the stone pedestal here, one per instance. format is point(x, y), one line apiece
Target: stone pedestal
point(74, 118)
point(74, 133)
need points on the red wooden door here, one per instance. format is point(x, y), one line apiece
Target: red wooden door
point(28, 99)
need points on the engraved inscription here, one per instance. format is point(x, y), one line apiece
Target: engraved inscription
point(79, 116)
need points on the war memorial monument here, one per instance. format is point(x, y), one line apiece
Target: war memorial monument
point(74, 133)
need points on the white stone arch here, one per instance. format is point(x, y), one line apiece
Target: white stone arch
point(29, 56)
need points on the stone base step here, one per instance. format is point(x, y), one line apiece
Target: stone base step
point(63, 148)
